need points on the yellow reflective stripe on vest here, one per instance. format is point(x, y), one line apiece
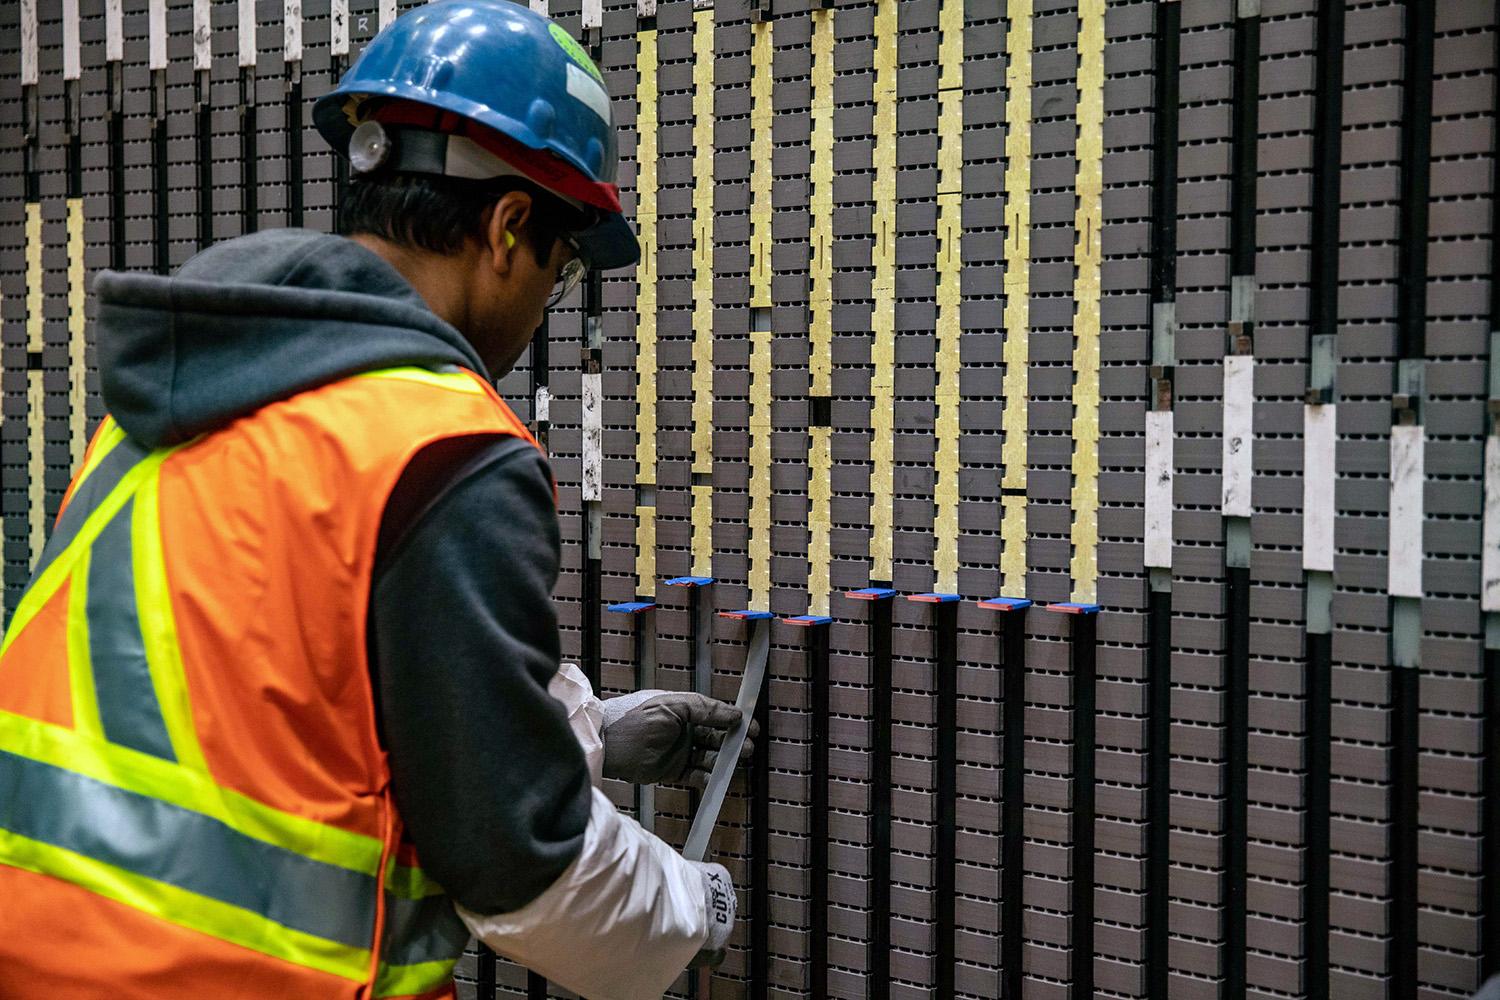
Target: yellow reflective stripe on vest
point(86, 721)
point(106, 438)
point(45, 585)
point(158, 626)
point(423, 935)
point(413, 980)
point(458, 381)
point(185, 909)
point(161, 779)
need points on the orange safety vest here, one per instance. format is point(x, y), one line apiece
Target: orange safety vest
point(193, 798)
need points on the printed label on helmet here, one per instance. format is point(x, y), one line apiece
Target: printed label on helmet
point(583, 87)
point(575, 51)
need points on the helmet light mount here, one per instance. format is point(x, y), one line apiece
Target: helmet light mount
point(370, 147)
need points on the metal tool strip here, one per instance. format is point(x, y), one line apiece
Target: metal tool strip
point(696, 848)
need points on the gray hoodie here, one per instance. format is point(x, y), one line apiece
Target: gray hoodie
point(490, 783)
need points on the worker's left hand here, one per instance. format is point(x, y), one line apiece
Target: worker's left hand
point(655, 736)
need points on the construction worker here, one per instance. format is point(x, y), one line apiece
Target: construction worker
point(281, 712)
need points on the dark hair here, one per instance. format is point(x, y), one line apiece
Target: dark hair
point(430, 212)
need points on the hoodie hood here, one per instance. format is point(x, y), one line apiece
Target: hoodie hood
point(254, 320)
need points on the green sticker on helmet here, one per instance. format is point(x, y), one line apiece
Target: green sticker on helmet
point(575, 51)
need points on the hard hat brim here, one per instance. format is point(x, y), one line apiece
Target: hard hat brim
point(609, 243)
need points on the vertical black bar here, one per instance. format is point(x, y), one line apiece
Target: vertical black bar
point(1083, 655)
point(205, 160)
point(1403, 957)
point(1315, 856)
point(1489, 900)
point(485, 988)
point(1246, 132)
point(1164, 154)
point(1158, 790)
point(1328, 148)
point(74, 126)
point(249, 154)
point(700, 641)
point(1165, 61)
point(945, 642)
point(1013, 802)
point(294, 147)
point(1490, 858)
point(536, 986)
point(817, 672)
point(1416, 151)
point(159, 179)
point(340, 162)
point(1236, 781)
point(116, 165)
point(760, 842)
point(878, 986)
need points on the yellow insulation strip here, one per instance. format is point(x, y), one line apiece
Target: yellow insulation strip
point(883, 291)
point(819, 497)
point(36, 395)
point(820, 305)
point(645, 323)
point(820, 313)
point(703, 287)
point(761, 113)
point(77, 344)
point(1017, 296)
point(34, 313)
point(36, 463)
point(950, 229)
point(760, 316)
point(1087, 222)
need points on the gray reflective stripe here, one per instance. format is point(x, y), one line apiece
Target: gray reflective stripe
point(422, 930)
point(88, 495)
point(186, 849)
point(128, 708)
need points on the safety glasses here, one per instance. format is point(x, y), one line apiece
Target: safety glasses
point(571, 274)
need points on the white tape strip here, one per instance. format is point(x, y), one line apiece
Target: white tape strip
point(156, 35)
point(70, 39)
point(1489, 573)
point(1407, 480)
point(645, 8)
point(1319, 452)
point(1239, 434)
point(29, 51)
point(203, 30)
point(540, 6)
point(114, 31)
point(593, 14)
point(1158, 549)
point(387, 13)
point(593, 437)
point(338, 28)
point(291, 36)
point(247, 33)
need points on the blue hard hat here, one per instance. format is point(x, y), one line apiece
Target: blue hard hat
point(538, 97)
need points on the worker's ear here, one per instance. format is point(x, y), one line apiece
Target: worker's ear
point(508, 217)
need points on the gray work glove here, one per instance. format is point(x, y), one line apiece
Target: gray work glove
point(655, 736)
point(719, 905)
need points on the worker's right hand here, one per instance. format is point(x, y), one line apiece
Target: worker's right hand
point(719, 906)
point(654, 736)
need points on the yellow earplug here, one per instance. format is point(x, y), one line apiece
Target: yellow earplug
point(510, 238)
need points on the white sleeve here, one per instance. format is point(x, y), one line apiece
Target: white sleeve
point(621, 923)
point(585, 715)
